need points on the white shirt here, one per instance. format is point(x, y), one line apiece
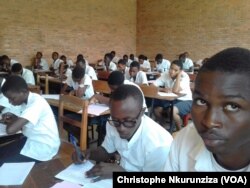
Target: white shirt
point(187, 64)
point(13, 61)
point(147, 150)
point(56, 65)
point(112, 66)
point(28, 76)
point(44, 64)
point(42, 133)
point(91, 72)
point(146, 65)
point(86, 81)
point(141, 78)
point(188, 153)
point(163, 66)
point(166, 81)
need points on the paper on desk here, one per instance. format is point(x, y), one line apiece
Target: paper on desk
point(96, 109)
point(66, 184)
point(163, 94)
point(53, 96)
point(76, 174)
point(15, 173)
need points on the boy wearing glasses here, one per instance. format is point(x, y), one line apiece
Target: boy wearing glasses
point(142, 143)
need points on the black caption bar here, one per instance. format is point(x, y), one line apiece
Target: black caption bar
point(161, 179)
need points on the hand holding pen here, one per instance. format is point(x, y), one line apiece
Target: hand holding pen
point(77, 155)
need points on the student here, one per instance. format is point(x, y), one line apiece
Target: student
point(107, 64)
point(80, 82)
point(144, 63)
point(127, 60)
point(219, 138)
point(41, 139)
point(88, 69)
point(188, 65)
point(142, 143)
point(176, 81)
point(56, 63)
point(136, 75)
point(115, 79)
point(26, 74)
point(162, 65)
point(115, 58)
point(40, 62)
point(121, 66)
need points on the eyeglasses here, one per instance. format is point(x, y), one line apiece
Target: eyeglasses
point(128, 124)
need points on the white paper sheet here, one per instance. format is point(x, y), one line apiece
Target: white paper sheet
point(96, 109)
point(163, 94)
point(76, 174)
point(53, 96)
point(15, 173)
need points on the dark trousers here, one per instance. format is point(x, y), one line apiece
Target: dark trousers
point(10, 151)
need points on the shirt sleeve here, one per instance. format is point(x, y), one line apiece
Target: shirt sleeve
point(108, 142)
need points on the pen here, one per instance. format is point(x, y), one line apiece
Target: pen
point(78, 151)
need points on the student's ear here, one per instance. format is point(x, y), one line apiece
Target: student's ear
point(143, 110)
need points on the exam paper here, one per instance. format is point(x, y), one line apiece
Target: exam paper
point(163, 94)
point(75, 173)
point(15, 173)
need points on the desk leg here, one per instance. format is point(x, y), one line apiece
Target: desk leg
point(171, 117)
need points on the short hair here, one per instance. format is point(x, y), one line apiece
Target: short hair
point(79, 57)
point(122, 61)
point(14, 84)
point(17, 67)
point(135, 64)
point(231, 60)
point(158, 57)
point(178, 62)
point(78, 72)
point(141, 57)
point(116, 78)
point(125, 91)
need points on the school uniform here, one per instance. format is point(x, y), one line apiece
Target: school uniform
point(56, 65)
point(147, 150)
point(44, 64)
point(91, 72)
point(187, 64)
point(182, 103)
point(28, 76)
point(146, 65)
point(86, 81)
point(141, 78)
point(163, 66)
point(188, 153)
point(41, 131)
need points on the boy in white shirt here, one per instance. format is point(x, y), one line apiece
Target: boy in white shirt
point(41, 139)
point(218, 141)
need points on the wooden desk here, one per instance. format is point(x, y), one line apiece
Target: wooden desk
point(76, 109)
point(152, 92)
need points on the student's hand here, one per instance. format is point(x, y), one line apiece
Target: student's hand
point(8, 118)
point(103, 171)
point(93, 100)
point(76, 159)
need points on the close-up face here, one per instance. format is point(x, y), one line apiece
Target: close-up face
point(221, 111)
point(126, 110)
point(133, 71)
point(174, 70)
point(15, 98)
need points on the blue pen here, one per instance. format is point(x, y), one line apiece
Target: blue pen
point(78, 151)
